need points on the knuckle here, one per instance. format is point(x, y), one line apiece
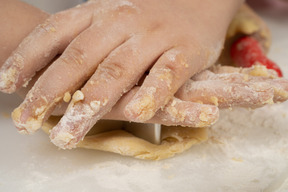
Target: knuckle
point(128, 8)
point(111, 71)
point(176, 62)
point(125, 13)
point(49, 24)
point(74, 56)
point(155, 26)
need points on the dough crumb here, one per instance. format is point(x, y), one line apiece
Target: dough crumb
point(63, 140)
point(78, 96)
point(67, 97)
point(260, 70)
point(214, 100)
point(95, 105)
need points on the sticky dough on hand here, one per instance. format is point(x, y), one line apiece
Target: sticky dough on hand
point(174, 140)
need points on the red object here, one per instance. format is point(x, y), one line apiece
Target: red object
point(247, 51)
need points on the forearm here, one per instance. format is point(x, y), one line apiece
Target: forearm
point(17, 19)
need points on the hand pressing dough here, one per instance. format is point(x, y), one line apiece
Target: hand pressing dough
point(175, 139)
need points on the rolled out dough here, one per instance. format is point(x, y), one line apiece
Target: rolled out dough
point(174, 139)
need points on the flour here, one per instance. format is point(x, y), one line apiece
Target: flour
point(257, 140)
point(247, 151)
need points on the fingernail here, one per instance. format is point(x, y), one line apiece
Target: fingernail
point(28, 126)
point(141, 108)
point(69, 130)
point(7, 80)
point(208, 116)
point(77, 121)
point(9, 73)
point(63, 140)
point(29, 116)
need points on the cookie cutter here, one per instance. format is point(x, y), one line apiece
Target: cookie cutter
point(148, 131)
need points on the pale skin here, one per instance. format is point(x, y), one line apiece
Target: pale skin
point(106, 48)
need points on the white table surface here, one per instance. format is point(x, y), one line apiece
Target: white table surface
point(32, 163)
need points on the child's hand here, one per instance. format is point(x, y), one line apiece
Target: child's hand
point(198, 99)
point(223, 87)
point(109, 45)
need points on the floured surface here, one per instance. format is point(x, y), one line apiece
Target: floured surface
point(248, 153)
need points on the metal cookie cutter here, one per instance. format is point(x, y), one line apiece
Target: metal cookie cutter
point(148, 131)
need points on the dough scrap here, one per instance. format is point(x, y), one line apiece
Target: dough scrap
point(245, 22)
point(174, 140)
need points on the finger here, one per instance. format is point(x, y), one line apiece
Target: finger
point(226, 77)
point(171, 70)
point(239, 76)
point(227, 94)
point(255, 70)
point(120, 71)
point(280, 87)
point(41, 46)
point(66, 74)
point(185, 113)
point(176, 112)
point(23, 91)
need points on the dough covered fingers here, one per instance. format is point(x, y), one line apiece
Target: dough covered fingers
point(77, 121)
point(41, 46)
point(120, 74)
point(67, 74)
point(255, 70)
point(280, 87)
point(257, 73)
point(90, 34)
point(175, 112)
point(221, 90)
point(231, 86)
point(227, 94)
point(59, 30)
point(170, 71)
point(106, 46)
point(115, 76)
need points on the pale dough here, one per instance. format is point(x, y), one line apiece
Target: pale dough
point(174, 139)
point(245, 22)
